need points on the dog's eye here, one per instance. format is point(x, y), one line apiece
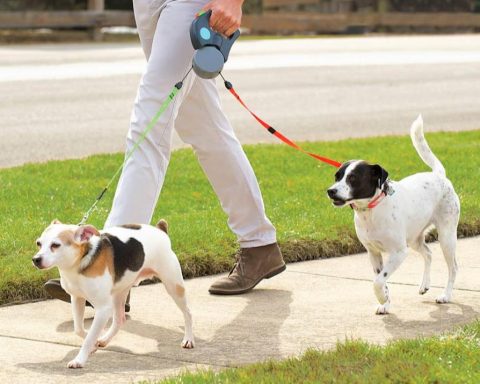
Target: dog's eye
point(54, 246)
point(39, 244)
point(351, 178)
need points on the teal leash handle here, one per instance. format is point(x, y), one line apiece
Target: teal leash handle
point(140, 140)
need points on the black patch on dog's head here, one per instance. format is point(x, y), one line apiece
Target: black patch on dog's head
point(129, 255)
point(341, 171)
point(132, 226)
point(364, 179)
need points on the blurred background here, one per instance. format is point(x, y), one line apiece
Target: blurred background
point(315, 69)
point(20, 18)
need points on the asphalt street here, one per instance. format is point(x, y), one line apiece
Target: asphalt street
point(68, 101)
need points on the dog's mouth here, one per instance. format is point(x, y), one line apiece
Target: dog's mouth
point(340, 202)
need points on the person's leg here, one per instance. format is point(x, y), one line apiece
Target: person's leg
point(170, 58)
point(202, 123)
point(166, 44)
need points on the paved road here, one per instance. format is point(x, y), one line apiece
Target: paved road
point(65, 101)
point(280, 318)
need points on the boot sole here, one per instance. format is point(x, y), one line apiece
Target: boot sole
point(238, 292)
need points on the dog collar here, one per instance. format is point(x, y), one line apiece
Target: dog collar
point(387, 190)
point(373, 203)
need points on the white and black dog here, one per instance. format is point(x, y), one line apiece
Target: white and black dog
point(390, 215)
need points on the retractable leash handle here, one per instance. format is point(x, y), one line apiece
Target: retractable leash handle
point(211, 48)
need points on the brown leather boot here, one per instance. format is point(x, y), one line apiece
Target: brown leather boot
point(55, 290)
point(253, 265)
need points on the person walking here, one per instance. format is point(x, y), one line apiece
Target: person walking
point(198, 118)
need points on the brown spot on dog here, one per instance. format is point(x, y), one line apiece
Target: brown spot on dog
point(180, 290)
point(163, 225)
point(67, 238)
point(100, 261)
point(132, 226)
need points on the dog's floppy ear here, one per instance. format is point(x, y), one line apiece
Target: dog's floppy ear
point(85, 232)
point(56, 221)
point(380, 174)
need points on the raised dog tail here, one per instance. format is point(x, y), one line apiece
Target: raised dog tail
point(423, 150)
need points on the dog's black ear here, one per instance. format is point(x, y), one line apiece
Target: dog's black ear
point(379, 174)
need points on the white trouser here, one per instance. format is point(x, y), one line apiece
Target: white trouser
point(197, 116)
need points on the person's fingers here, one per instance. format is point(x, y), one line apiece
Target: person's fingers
point(232, 27)
point(231, 30)
point(228, 25)
point(215, 19)
point(222, 26)
point(222, 20)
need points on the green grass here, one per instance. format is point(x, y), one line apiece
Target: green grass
point(293, 186)
point(451, 358)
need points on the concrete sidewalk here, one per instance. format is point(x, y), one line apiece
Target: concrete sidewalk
point(313, 304)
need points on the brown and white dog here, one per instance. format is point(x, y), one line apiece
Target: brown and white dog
point(102, 266)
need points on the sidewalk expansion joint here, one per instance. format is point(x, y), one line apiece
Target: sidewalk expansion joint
point(118, 351)
point(369, 280)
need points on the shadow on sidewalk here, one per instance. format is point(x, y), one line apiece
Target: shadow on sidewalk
point(252, 336)
point(443, 318)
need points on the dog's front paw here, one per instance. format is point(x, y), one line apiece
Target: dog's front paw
point(423, 290)
point(383, 309)
point(188, 343)
point(75, 363)
point(442, 299)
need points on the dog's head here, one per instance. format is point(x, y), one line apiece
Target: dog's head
point(63, 245)
point(356, 180)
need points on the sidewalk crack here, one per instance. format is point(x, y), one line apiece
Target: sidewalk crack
point(370, 280)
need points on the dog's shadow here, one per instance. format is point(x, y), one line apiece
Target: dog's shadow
point(443, 318)
point(253, 332)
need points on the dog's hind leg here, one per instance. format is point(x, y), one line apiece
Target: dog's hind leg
point(118, 318)
point(173, 281)
point(448, 242)
point(177, 292)
point(380, 284)
point(421, 247)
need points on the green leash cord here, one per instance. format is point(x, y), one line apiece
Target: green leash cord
point(140, 140)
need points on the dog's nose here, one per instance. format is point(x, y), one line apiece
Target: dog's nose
point(332, 192)
point(37, 261)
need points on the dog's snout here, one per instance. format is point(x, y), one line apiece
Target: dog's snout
point(332, 192)
point(37, 261)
